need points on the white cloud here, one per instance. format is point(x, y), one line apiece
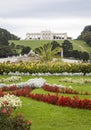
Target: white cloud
point(21, 26)
point(44, 8)
point(21, 16)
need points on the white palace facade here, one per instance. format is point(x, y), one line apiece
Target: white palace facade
point(46, 35)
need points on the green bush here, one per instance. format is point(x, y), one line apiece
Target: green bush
point(52, 67)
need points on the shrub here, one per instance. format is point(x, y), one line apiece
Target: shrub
point(7, 122)
point(45, 67)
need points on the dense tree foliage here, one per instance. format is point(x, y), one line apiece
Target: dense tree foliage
point(67, 48)
point(86, 35)
point(25, 50)
point(67, 45)
point(55, 44)
point(84, 56)
point(3, 40)
point(7, 49)
point(69, 52)
point(8, 35)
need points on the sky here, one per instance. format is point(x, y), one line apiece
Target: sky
point(26, 16)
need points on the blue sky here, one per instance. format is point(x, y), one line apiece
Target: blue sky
point(22, 16)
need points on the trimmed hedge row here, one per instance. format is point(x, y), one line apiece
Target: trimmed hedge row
point(46, 67)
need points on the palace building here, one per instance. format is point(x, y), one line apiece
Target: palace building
point(46, 35)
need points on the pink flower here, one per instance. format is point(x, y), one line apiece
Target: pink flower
point(4, 111)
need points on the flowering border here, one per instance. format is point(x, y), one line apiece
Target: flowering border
point(74, 102)
point(57, 89)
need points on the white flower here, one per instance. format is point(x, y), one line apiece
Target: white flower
point(12, 101)
point(11, 79)
point(61, 86)
point(36, 82)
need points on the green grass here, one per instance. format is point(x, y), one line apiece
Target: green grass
point(31, 43)
point(77, 44)
point(50, 117)
point(81, 46)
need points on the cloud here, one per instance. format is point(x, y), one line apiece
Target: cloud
point(21, 26)
point(21, 16)
point(42, 9)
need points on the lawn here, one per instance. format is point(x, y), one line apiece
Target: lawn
point(81, 46)
point(31, 43)
point(50, 117)
point(77, 44)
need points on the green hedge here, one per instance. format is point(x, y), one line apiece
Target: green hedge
point(45, 67)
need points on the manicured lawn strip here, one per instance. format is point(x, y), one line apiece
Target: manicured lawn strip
point(50, 117)
point(41, 91)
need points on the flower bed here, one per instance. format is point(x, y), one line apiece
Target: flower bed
point(63, 89)
point(9, 88)
point(11, 79)
point(39, 83)
point(8, 103)
point(74, 102)
point(22, 92)
point(33, 83)
point(70, 80)
point(52, 99)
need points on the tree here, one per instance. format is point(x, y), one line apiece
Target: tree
point(6, 51)
point(86, 35)
point(12, 45)
point(46, 52)
point(67, 48)
point(55, 44)
point(84, 56)
point(8, 35)
point(25, 50)
point(67, 45)
point(3, 40)
point(76, 54)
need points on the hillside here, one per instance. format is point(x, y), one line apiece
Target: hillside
point(8, 35)
point(77, 44)
point(81, 46)
point(31, 43)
